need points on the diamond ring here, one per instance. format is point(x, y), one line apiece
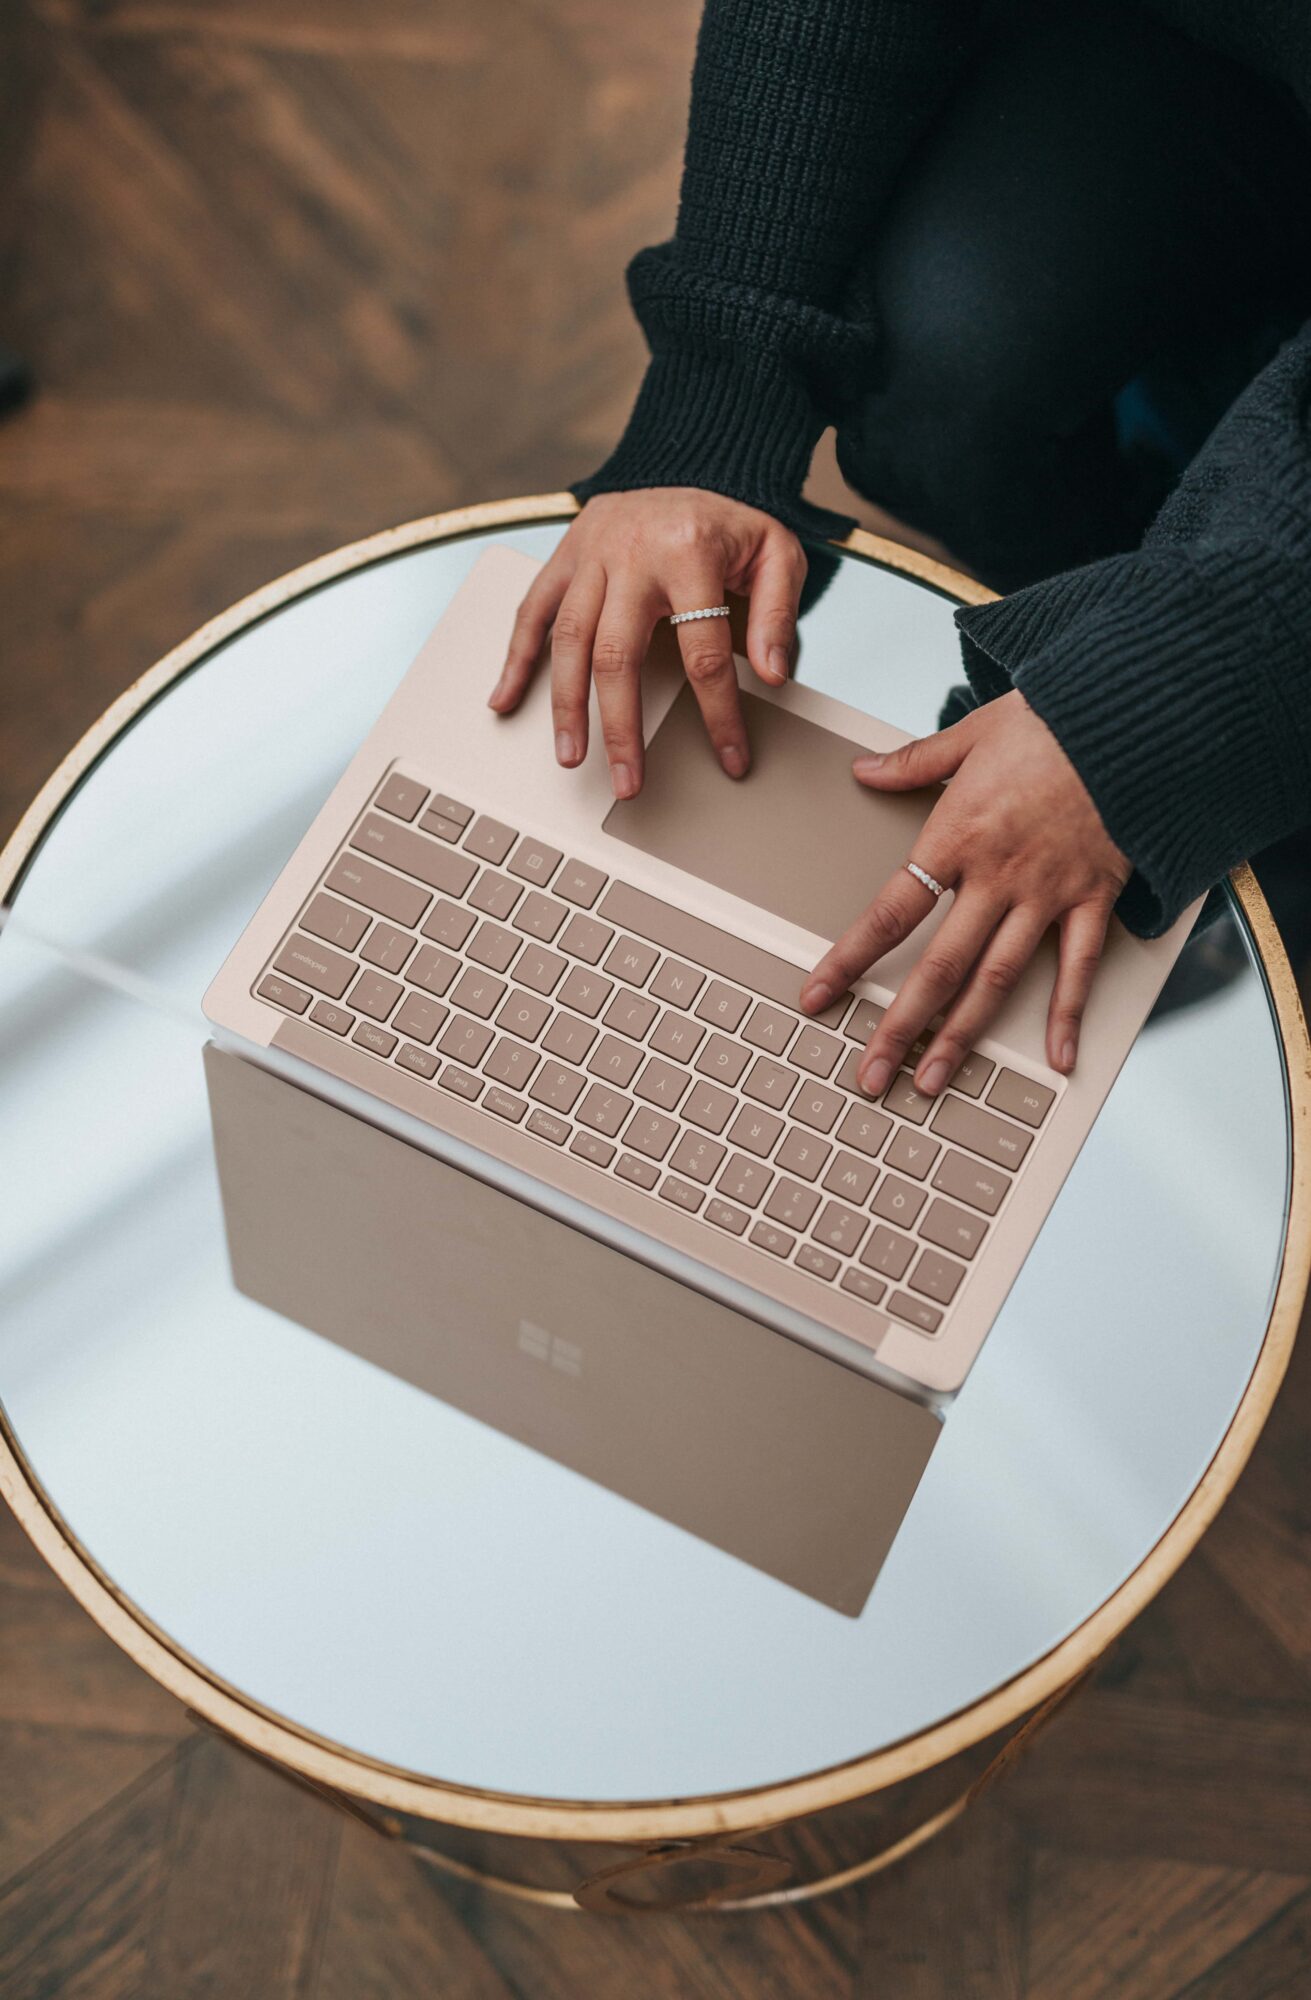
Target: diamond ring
point(922, 875)
point(711, 611)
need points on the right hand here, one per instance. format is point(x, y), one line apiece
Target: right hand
point(626, 561)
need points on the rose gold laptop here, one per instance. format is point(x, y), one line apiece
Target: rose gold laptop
point(590, 1010)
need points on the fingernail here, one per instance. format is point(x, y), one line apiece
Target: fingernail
point(566, 749)
point(734, 760)
point(869, 760)
point(495, 694)
point(1067, 1055)
point(816, 994)
point(933, 1078)
point(876, 1076)
point(777, 663)
point(623, 780)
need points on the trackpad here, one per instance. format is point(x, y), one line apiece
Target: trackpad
point(797, 836)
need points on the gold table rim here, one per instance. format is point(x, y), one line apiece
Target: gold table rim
point(352, 1772)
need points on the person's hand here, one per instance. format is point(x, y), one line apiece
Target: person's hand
point(627, 560)
point(1017, 837)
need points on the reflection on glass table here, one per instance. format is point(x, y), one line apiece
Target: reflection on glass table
point(459, 1590)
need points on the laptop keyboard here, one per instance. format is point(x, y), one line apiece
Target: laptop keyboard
point(655, 1047)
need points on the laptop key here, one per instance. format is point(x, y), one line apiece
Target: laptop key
point(388, 947)
point(433, 970)
point(776, 1241)
point(315, 965)
point(604, 1110)
point(769, 1028)
point(1021, 1098)
point(661, 1083)
point(589, 1147)
point(557, 1086)
point(419, 1018)
point(283, 994)
point(899, 1201)
point(449, 924)
point(545, 1125)
point(479, 992)
point(651, 1133)
point(414, 854)
point(444, 829)
point(953, 1229)
point(709, 1107)
point(401, 797)
point(791, 1203)
point(631, 1013)
point(386, 895)
point(926, 1318)
point(631, 961)
point(698, 1157)
point(902, 1097)
point(585, 938)
point(839, 1228)
point(725, 1216)
point(972, 1074)
point(850, 1177)
point(569, 1039)
point(376, 1040)
point(967, 1180)
point(493, 946)
point(524, 1014)
point(744, 1180)
point(587, 992)
point(539, 969)
point(375, 996)
point(450, 808)
point(803, 1153)
point(887, 1252)
point(578, 883)
point(677, 983)
point(534, 861)
point(969, 1125)
point(820, 1263)
point(815, 1050)
point(757, 1131)
point(490, 839)
point(771, 1082)
point(912, 1153)
point(677, 1037)
point(816, 1105)
point(864, 1130)
point(615, 1059)
point(630, 1168)
point(465, 1041)
point(459, 1082)
point(335, 1019)
point(863, 1285)
point(511, 1063)
point(722, 1005)
point(723, 1059)
point(495, 895)
point(540, 916)
point(334, 922)
point(422, 1061)
point(937, 1277)
point(681, 1193)
point(503, 1104)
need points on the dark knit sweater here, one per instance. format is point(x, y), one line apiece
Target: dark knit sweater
point(1176, 677)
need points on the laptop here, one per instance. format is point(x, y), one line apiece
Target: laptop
point(588, 1008)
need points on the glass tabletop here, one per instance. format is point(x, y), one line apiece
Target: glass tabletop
point(393, 1575)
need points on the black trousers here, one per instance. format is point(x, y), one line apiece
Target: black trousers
point(1103, 237)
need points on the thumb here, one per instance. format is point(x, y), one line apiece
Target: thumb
point(926, 760)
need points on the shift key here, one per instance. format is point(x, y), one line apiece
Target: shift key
point(414, 854)
point(403, 902)
point(992, 1138)
point(316, 965)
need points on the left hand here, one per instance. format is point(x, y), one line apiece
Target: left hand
point(1020, 842)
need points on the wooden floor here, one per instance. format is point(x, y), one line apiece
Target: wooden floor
point(289, 273)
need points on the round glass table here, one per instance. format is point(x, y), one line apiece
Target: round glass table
point(422, 1617)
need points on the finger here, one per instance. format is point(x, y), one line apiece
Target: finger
point(707, 648)
point(572, 638)
point(772, 615)
point(1083, 935)
point(622, 637)
point(539, 605)
point(989, 986)
point(901, 904)
point(949, 958)
point(926, 760)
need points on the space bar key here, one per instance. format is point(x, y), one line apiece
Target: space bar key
point(718, 951)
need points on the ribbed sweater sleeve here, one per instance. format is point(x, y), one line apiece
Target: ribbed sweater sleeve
point(802, 111)
point(1178, 678)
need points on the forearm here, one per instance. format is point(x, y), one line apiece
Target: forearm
point(802, 113)
point(1178, 678)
